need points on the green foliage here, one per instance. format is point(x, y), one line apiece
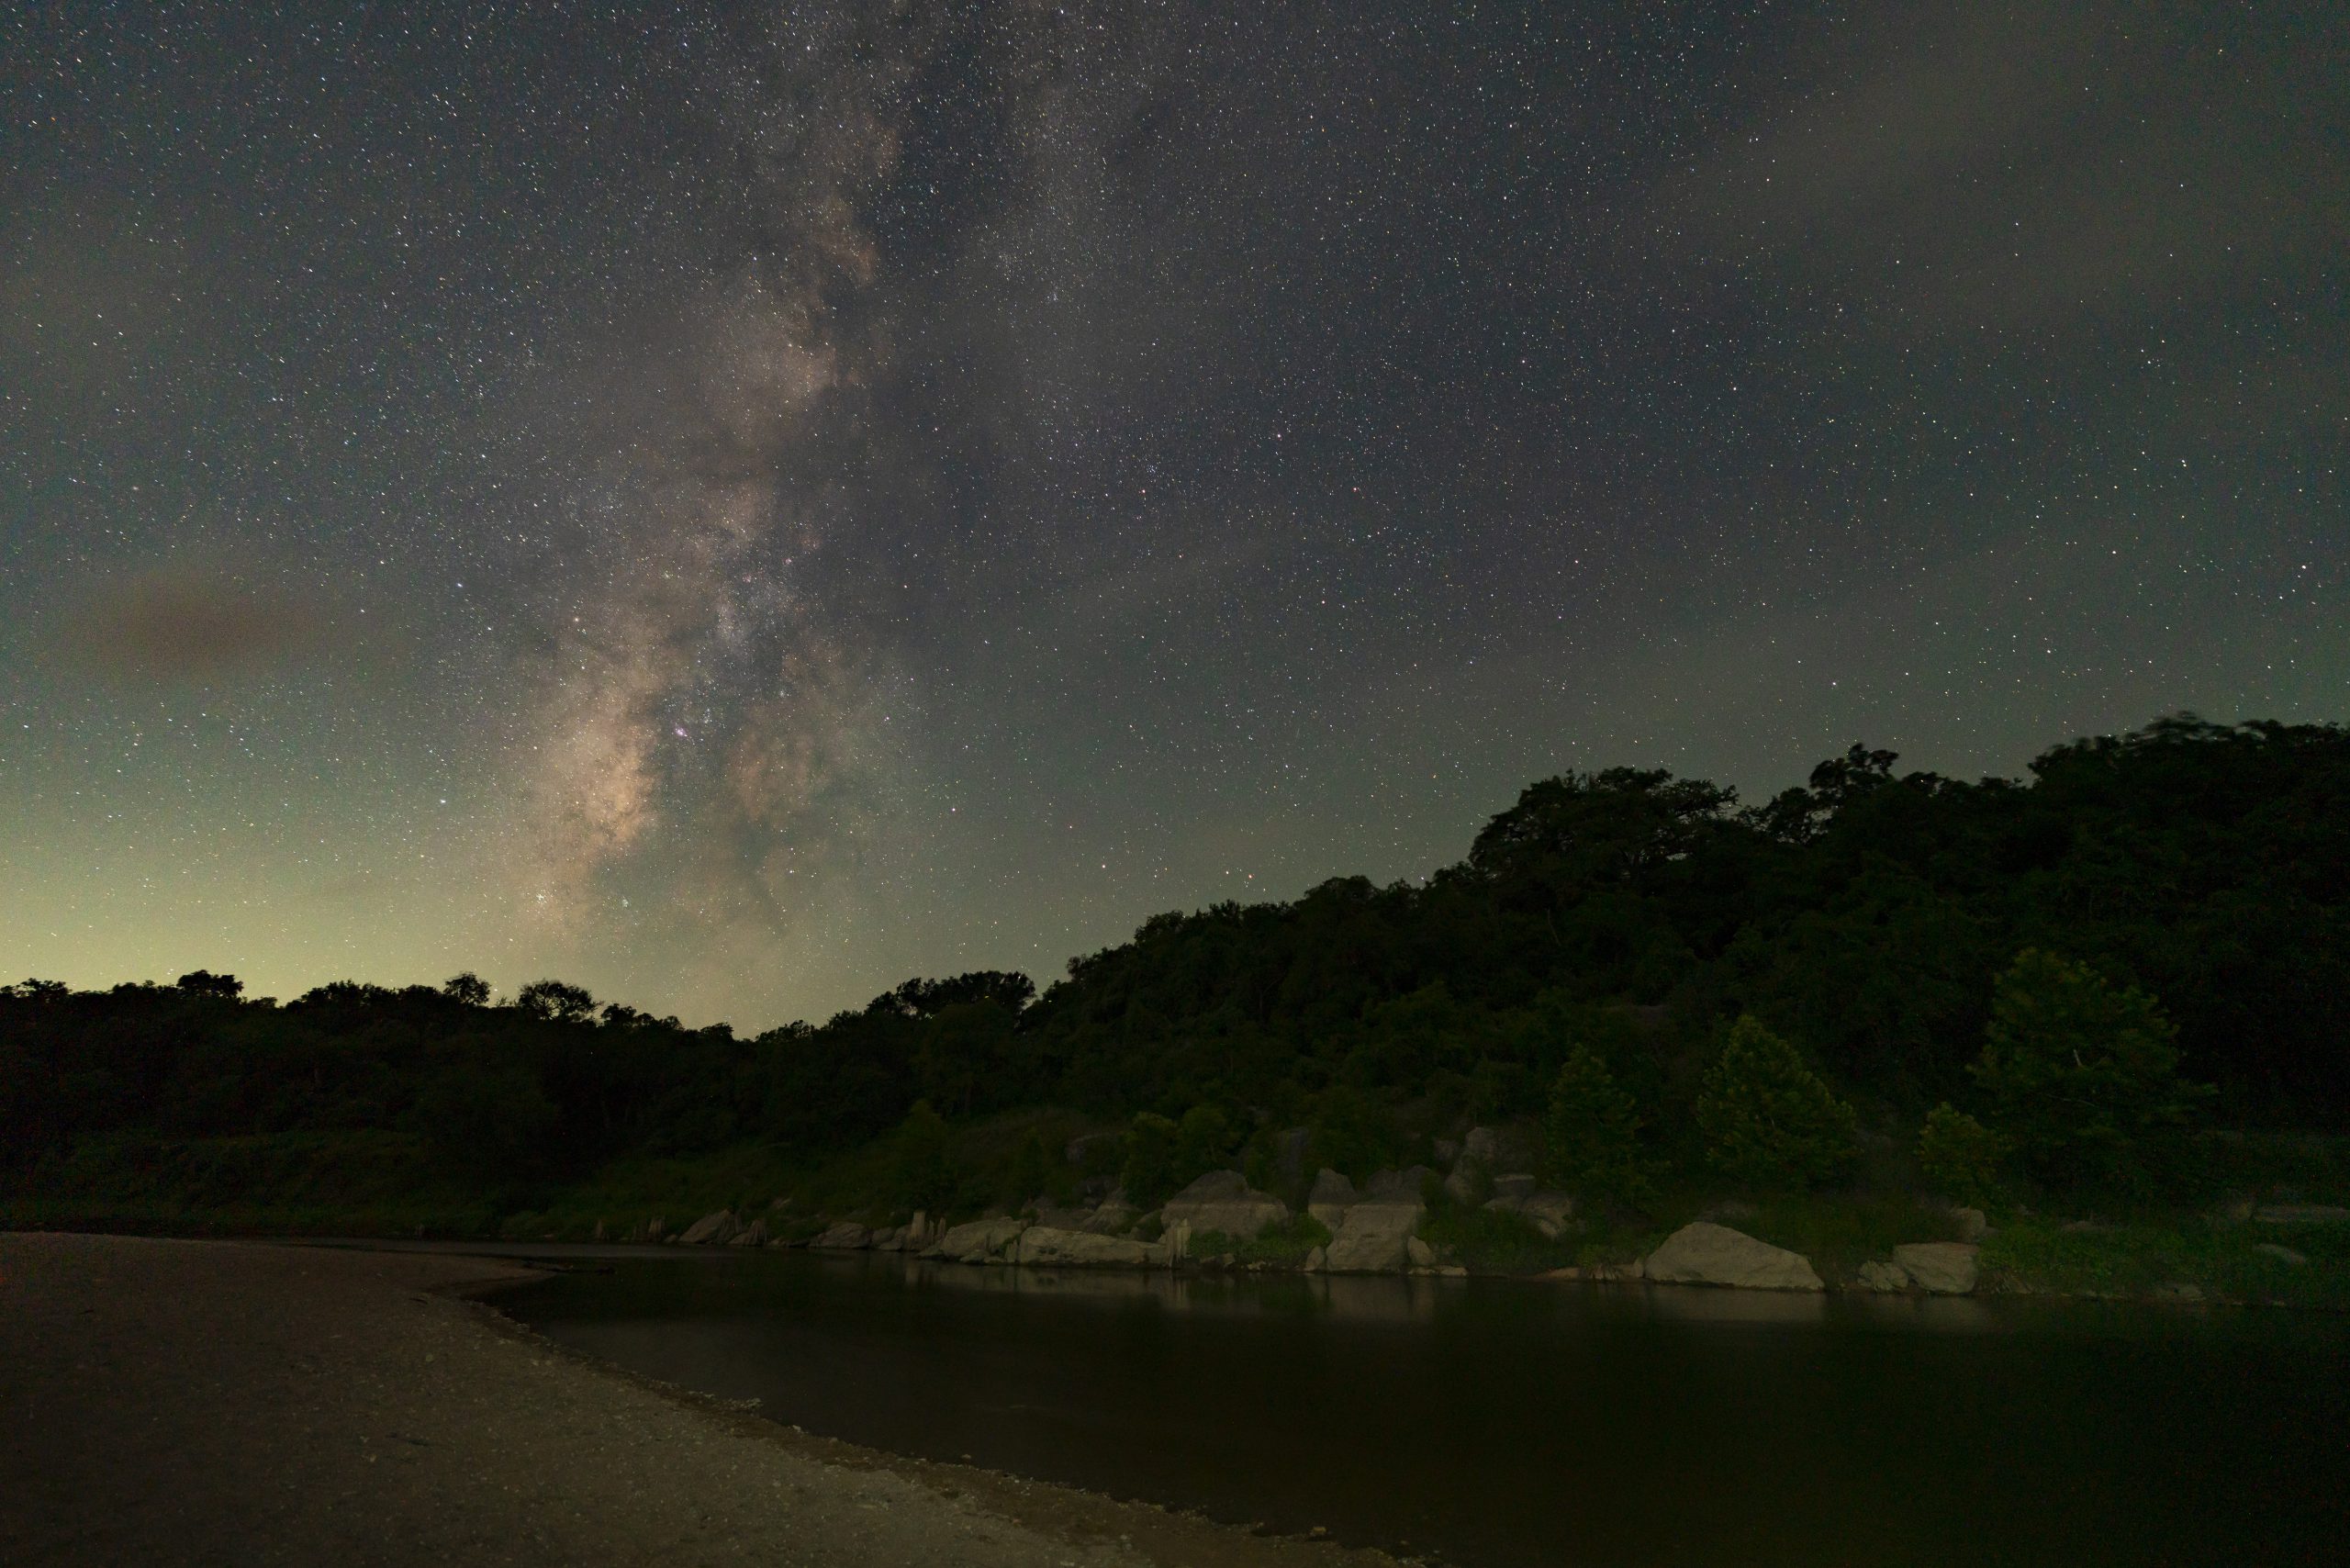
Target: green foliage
point(1285, 1243)
point(1202, 1142)
point(1038, 1170)
point(1867, 913)
point(922, 1174)
point(2223, 1261)
point(1591, 1136)
point(2083, 1076)
point(1149, 1176)
point(1770, 1122)
point(1491, 1241)
point(1960, 1156)
point(1841, 1233)
point(1353, 1134)
point(487, 1114)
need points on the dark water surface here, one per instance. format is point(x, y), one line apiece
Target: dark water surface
point(1498, 1424)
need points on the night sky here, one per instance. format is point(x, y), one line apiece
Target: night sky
point(734, 507)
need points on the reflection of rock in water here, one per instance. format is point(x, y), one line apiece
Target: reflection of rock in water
point(1704, 1304)
point(1346, 1299)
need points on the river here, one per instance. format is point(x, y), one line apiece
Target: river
point(1501, 1424)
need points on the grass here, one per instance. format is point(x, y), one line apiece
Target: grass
point(1491, 1241)
point(1841, 1232)
point(2137, 1258)
point(1286, 1243)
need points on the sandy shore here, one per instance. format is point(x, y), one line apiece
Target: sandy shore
point(189, 1402)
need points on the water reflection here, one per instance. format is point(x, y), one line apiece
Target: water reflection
point(1505, 1423)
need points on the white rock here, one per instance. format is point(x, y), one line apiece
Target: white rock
point(2283, 1254)
point(752, 1235)
point(1973, 1224)
point(712, 1230)
point(1332, 1196)
point(1044, 1245)
point(980, 1241)
point(1223, 1200)
point(1939, 1268)
point(1703, 1253)
point(1371, 1239)
point(847, 1237)
point(1420, 1254)
point(1114, 1216)
point(1551, 1212)
point(1876, 1276)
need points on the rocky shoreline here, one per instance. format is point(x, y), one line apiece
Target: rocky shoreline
point(1220, 1222)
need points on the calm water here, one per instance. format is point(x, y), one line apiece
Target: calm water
point(1497, 1423)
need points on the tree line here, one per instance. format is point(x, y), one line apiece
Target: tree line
point(2049, 980)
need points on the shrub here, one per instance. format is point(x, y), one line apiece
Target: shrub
point(920, 1172)
point(1148, 1176)
point(1769, 1121)
point(1960, 1156)
point(2083, 1076)
point(1202, 1139)
point(1591, 1136)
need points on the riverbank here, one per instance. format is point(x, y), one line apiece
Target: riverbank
point(210, 1402)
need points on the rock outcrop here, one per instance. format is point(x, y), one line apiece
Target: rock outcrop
point(1223, 1200)
point(1878, 1275)
point(1330, 1198)
point(1045, 1246)
point(1113, 1217)
point(712, 1230)
point(980, 1241)
point(1938, 1268)
point(1973, 1224)
point(1703, 1253)
point(847, 1237)
point(1371, 1237)
point(752, 1235)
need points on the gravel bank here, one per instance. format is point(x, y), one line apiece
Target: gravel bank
point(189, 1402)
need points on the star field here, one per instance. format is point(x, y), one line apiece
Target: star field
point(735, 506)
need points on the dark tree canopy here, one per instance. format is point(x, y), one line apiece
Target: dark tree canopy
point(1865, 920)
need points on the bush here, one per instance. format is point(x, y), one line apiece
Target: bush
point(1769, 1121)
point(920, 1172)
point(2083, 1076)
point(1149, 1173)
point(1353, 1134)
point(1960, 1156)
point(1591, 1136)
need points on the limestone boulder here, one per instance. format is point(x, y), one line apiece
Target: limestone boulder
point(1551, 1212)
point(1704, 1253)
point(2284, 1255)
point(1513, 1190)
point(1938, 1268)
point(1418, 1253)
point(1113, 1217)
point(1877, 1275)
point(1973, 1224)
point(1317, 1261)
point(712, 1230)
point(980, 1241)
point(1223, 1200)
point(1331, 1197)
point(1044, 1246)
point(752, 1235)
point(847, 1237)
point(1370, 1237)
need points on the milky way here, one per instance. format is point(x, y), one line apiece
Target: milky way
point(737, 505)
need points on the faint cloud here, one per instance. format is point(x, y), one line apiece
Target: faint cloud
point(2024, 163)
point(192, 628)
